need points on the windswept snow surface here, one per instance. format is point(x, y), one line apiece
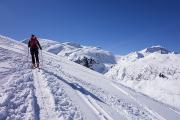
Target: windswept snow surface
point(64, 90)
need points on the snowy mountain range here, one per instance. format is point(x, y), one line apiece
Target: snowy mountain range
point(64, 90)
point(92, 57)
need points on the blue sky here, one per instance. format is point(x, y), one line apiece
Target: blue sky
point(120, 26)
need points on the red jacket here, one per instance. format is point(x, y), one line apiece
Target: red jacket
point(34, 43)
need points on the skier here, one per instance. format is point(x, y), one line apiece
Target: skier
point(34, 45)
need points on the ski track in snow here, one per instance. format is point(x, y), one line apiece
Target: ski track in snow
point(82, 97)
point(130, 110)
point(54, 94)
point(52, 97)
point(44, 98)
point(152, 105)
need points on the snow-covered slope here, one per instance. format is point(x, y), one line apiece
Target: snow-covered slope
point(64, 90)
point(153, 71)
point(91, 57)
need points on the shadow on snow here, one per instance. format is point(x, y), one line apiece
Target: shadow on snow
point(76, 86)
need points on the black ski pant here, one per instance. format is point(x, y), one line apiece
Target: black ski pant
point(34, 54)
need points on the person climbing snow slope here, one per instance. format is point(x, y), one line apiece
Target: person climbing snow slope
point(34, 45)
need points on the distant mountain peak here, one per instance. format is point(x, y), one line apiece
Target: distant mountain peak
point(155, 46)
point(156, 49)
point(133, 56)
point(72, 44)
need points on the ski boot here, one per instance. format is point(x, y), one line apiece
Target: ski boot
point(33, 66)
point(37, 65)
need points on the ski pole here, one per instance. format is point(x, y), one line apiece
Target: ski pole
point(28, 58)
point(42, 58)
